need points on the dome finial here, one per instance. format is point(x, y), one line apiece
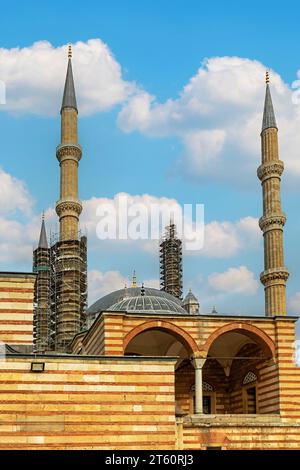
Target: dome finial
point(134, 279)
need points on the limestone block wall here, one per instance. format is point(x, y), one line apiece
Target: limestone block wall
point(245, 435)
point(87, 403)
point(289, 373)
point(16, 308)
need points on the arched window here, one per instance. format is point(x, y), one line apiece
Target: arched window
point(249, 378)
point(250, 393)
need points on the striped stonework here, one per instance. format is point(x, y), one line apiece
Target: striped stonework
point(16, 308)
point(237, 432)
point(87, 403)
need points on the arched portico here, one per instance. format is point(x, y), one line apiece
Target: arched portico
point(166, 328)
point(234, 353)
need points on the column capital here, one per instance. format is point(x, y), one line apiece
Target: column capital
point(198, 362)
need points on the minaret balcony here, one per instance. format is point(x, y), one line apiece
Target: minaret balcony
point(272, 169)
point(71, 207)
point(68, 151)
point(272, 222)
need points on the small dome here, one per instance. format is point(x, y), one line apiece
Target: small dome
point(137, 299)
point(190, 298)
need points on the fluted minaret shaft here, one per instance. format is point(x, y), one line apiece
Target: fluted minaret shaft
point(68, 153)
point(275, 274)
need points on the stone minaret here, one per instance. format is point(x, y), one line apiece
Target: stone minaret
point(68, 153)
point(41, 314)
point(171, 262)
point(275, 274)
point(69, 254)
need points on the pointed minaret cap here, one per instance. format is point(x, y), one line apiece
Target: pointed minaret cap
point(43, 243)
point(69, 98)
point(269, 120)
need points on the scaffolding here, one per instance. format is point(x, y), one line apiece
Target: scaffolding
point(171, 262)
point(41, 306)
point(68, 290)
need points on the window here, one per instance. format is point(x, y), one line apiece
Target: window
point(207, 404)
point(208, 398)
point(250, 393)
point(251, 400)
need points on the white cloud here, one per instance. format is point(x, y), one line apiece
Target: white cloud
point(222, 239)
point(14, 195)
point(217, 118)
point(294, 304)
point(102, 283)
point(227, 239)
point(34, 77)
point(234, 281)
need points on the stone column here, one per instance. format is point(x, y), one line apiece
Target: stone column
point(198, 363)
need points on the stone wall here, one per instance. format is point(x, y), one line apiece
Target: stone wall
point(16, 308)
point(87, 403)
point(236, 432)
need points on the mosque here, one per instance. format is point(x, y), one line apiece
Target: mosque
point(143, 368)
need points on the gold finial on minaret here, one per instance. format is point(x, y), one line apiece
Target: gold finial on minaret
point(267, 76)
point(134, 279)
point(70, 52)
point(43, 215)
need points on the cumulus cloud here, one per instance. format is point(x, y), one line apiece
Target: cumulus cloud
point(102, 283)
point(217, 118)
point(18, 236)
point(294, 304)
point(234, 281)
point(34, 77)
point(14, 195)
point(222, 239)
point(226, 239)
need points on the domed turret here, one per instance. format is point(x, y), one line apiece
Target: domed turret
point(191, 303)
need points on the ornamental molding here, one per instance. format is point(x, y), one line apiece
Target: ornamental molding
point(273, 169)
point(272, 222)
point(68, 206)
point(68, 152)
point(275, 274)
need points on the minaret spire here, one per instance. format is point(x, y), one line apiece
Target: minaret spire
point(269, 120)
point(70, 251)
point(68, 154)
point(69, 96)
point(43, 242)
point(275, 274)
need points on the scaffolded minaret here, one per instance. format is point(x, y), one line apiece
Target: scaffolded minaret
point(41, 314)
point(275, 274)
point(171, 262)
point(69, 253)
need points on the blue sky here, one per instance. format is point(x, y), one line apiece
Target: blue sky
point(210, 158)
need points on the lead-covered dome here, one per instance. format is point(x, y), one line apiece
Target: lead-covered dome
point(137, 299)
